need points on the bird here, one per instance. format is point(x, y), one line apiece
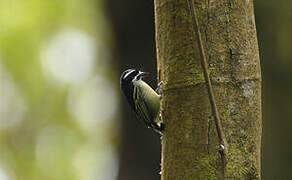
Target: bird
point(143, 100)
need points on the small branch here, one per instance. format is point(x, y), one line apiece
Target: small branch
point(222, 141)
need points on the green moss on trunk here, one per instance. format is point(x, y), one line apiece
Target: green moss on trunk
point(190, 143)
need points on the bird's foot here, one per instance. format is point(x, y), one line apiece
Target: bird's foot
point(159, 88)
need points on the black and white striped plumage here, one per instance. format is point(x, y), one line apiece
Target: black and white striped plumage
point(142, 98)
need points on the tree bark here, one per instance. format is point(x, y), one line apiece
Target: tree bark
point(190, 144)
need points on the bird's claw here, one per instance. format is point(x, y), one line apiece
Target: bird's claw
point(159, 87)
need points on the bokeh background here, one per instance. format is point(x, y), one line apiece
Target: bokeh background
point(62, 115)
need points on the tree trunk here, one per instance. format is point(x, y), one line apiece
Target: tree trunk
point(190, 144)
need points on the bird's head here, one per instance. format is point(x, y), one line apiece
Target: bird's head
point(131, 74)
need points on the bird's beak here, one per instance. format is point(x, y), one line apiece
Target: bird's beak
point(142, 74)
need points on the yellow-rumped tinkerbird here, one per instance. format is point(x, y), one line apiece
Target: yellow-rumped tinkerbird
point(142, 98)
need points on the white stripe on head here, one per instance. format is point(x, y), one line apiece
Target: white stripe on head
point(128, 73)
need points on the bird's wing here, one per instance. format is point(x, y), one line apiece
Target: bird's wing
point(142, 109)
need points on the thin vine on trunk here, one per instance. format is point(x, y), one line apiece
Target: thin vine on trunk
point(208, 60)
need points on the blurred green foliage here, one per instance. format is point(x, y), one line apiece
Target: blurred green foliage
point(49, 128)
point(273, 20)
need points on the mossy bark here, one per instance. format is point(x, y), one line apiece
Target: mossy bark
point(190, 141)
